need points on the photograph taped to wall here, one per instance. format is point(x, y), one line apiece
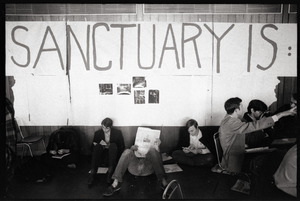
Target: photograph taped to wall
point(139, 97)
point(106, 89)
point(154, 96)
point(124, 89)
point(139, 82)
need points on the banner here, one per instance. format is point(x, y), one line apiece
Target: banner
point(52, 48)
point(142, 73)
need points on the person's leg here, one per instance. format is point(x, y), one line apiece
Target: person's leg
point(112, 157)
point(156, 160)
point(96, 158)
point(183, 158)
point(124, 161)
point(112, 160)
point(206, 160)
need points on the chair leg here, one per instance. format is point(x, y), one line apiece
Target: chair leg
point(29, 148)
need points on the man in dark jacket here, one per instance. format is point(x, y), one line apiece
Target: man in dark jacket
point(108, 144)
point(256, 110)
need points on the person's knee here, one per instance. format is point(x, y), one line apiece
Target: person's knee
point(98, 148)
point(127, 152)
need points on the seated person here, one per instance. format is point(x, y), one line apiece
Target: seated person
point(138, 166)
point(108, 144)
point(286, 175)
point(255, 111)
point(232, 134)
point(193, 152)
point(63, 141)
point(288, 126)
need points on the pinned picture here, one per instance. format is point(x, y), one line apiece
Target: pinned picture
point(154, 96)
point(139, 82)
point(124, 89)
point(139, 97)
point(106, 89)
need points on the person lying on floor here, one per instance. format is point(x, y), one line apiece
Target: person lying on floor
point(193, 151)
point(232, 134)
point(138, 166)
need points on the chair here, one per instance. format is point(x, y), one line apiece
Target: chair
point(218, 147)
point(219, 150)
point(27, 141)
point(172, 191)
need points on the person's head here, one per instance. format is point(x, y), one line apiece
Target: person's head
point(106, 124)
point(192, 126)
point(234, 105)
point(256, 108)
point(293, 100)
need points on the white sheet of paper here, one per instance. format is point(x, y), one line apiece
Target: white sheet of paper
point(101, 170)
point(103, 143)
point(145, 138)
point(172, 168)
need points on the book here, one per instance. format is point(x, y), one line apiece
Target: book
point(101, 170)
point(145, 138)
point(172, 168)
point(283, 141)
point(60, 156)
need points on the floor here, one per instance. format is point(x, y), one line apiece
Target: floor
point(196, 183)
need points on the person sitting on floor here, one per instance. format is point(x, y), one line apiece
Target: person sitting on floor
point(138, 166)
point(256, 110)
point(193, 152)
point(63, 148)
point(108, 144)
point(232, 134)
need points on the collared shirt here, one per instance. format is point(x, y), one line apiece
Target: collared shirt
point(194, 140)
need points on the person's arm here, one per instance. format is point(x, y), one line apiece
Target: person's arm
point(290, 112)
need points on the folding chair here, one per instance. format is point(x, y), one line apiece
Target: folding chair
point(27, 141)
point(172, 191)
point(219, 150)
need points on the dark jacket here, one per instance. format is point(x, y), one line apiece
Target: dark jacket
point(64, 138)
point(116, 137)
point(257, 138)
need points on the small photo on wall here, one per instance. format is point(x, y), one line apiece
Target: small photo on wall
point(139, 82)
point(124, 89)
point(154, 96)
point(139, 97)
point(106, 89)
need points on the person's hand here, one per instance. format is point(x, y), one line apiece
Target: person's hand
point(186, 150)
point(157, 142)
point(134, 147)
point(53, 152)
point(95, 143)
point(191, 147)
point(63, 151)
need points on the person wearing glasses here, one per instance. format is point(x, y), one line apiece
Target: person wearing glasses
point(108, 145)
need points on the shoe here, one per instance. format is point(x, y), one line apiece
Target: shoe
point(91, 180)
point(111, 190)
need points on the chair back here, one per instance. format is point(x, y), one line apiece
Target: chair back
point(219, 150)
point(20, 136)
point(173, 191)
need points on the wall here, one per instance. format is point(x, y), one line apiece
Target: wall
point(275, 13)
